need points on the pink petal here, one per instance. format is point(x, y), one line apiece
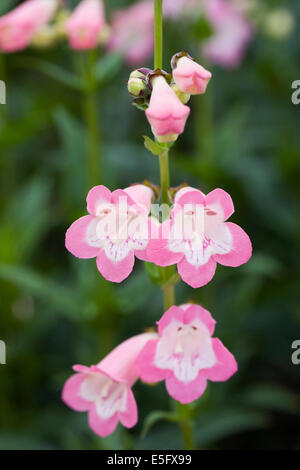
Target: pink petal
point(77, 241)
point(99, 426)
point(145, 367)
point(157, 249)
point(220, 201)
point(191, 197)
point(97, 195)
point(226, 364)
point(173, 313)
point(242, 248)
point(186, 392)
point(196, 311)
point(115, 272)
point(196, 276)
point(70, 393)
point(129, 417)
point(182, 191)
point(142, 195)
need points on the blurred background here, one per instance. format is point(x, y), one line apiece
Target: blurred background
point(56, 310)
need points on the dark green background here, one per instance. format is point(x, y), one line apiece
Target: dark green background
point(56, 310)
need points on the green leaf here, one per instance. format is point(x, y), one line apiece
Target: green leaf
point(152, 146)
point(107, 68)
point(156, 416)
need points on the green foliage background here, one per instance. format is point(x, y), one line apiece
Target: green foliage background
point(56, 311)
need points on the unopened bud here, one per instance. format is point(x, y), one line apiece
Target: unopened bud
point(136, 86)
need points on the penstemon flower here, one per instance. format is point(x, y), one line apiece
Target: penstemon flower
point(185, 355)
point(189, 76)
point(18, 27)
point(166, 114)
point(104, 390)
point(85, 24)
point(198, 236)
point(115, 231)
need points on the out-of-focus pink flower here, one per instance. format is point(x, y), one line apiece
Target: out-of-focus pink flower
point(166, 114)
point(18, 27)
point(132, 32)
point(104, 390)
point(233, 33)
point(191, 77)
point(185, 355)
point(115, 231)
point(85, 24)
point(197, 236)
point(180, 8)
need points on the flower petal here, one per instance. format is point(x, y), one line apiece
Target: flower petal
point(241, 250)
point(196, 311)
point(97, 196)
point(220, 201)
point(81, 238)
point(115, 272)
point(71, 393)
point(142, 195)
point(226, 364)
point(145, 367)
point(157, 249)
point(129, 417)
point(186, 392)
point(196, 276)
point(99, 426)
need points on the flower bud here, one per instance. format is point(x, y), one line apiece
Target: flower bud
point(189, 76)
point(136, 83)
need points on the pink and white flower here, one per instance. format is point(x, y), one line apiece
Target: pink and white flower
point(18, 27)
point(115, 231)
point(232, 35)
point(185, 355)
point(104, 390)
point(132, 32)
point(85, 24)
point(166, 114)
point(190, 77)
point(198, 236)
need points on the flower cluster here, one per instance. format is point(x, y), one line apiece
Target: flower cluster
point(130, 32)
point(193, 234)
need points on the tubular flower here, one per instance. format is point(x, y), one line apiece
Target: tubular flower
point(85, 24)
point(166, 114)
point(115, 231)
point(104, 390)
point(18, 27)
point(185, 355)
point(232, 34)
point(190, 77)
point(132, 32)
point(198, 236)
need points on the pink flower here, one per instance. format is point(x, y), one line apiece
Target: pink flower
point(115, 231)
point(166, 114)
point(18, 27)
point(104, 390)
point(132, 32)
point(85, 24)
point(190, 77)
point(197, 236)
point(185, 355)
point(179, 8)
point(233, 32)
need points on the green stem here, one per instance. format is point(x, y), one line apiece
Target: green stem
point(158, 34)
point(164, 177)
point(184, 414)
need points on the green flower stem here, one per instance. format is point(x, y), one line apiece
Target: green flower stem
point(168, 288)
point(185, 422)
point(158, 34)
point(164, 177)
